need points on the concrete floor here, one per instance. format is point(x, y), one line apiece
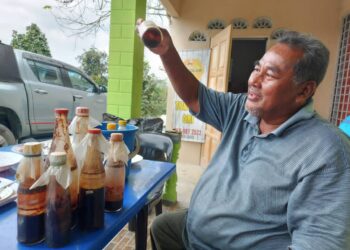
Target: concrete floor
point(188, 176)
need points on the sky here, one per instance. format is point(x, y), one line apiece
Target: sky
point(18, 14)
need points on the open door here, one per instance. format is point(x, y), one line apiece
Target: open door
point(220, 56)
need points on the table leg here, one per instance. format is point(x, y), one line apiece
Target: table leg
point(141, 229)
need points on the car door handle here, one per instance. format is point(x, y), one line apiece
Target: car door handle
point(77, 97)
point(40, 91)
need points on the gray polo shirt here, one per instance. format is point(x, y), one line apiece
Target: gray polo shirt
point(288, 188)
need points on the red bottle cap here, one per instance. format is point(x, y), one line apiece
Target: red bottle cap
point(82, 111)
point(94, 131)
point(116, 137)
point(62, 111)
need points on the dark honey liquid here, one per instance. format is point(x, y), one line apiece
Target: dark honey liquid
point(91, 208)
point(152, 37)
point(30, 214)
point(58, 215)
point(31, 229)
point(113, 206)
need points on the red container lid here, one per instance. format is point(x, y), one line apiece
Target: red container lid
point(94, 131)
point(82, 111)
point(116, 137)
point(62, 111)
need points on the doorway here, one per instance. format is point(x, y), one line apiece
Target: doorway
point(243, 55)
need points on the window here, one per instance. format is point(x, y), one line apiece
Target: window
point(197, 36)
point(80, 82)
point(341, 98)
point(216, 24)
point(239, 23)
point(46, 73)
point(262, 23)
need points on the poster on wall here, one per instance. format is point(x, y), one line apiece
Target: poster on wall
point(192, 129)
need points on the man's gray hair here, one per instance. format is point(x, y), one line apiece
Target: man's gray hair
point(313, 65)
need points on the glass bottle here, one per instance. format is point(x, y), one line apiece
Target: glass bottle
point(58, 208)
point(122, 125)
point(115, 173)
point(30, 202)
point(92, 183)
point(79, 125)
point(61, 143)
point(150, 33)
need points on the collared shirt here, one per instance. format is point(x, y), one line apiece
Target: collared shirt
point(287, 188)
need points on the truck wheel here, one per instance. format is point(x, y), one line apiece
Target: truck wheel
point(6, 136)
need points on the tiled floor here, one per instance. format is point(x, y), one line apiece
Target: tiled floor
point(188, 176)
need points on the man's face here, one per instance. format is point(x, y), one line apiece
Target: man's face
point(272, 92)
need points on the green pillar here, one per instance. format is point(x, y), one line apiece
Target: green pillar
point(125, 66)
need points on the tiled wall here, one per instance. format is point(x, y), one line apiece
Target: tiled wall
point(125, 59)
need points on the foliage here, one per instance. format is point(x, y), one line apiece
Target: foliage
point(154, 95)
point(33, 40)
point(95, 63)
point(83, 17)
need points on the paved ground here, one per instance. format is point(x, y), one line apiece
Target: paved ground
point(188, 176)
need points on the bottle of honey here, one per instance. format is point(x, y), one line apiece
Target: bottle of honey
point(30, 202)
point(79, 126)
point(58, 208)
point(150, 33)
point(61, 143)
point(92, 182)
point(115, 173)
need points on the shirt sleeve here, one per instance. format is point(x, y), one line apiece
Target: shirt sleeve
point(318, 211)
point(215, 107)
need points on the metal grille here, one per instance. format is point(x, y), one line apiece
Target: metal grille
point(341, 99)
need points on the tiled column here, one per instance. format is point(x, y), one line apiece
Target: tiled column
point(125, 66)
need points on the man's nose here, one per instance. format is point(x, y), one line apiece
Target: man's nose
point(255, 78)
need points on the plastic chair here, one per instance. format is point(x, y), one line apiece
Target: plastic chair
point(154, 146)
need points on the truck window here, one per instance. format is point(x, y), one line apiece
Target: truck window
point(80, 82)
point(46, 73)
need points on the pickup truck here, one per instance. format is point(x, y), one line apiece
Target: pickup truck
point(32, 86)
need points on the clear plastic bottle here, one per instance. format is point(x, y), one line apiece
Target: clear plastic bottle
point(58, 208)
point(30, 203)
point(122, 125)
point(92, 183)
point(61, 143)
point(150, 34)
point(115, 173)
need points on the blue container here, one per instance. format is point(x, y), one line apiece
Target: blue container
point(129, 135)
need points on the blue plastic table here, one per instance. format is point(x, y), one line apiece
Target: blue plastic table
point(144, 176)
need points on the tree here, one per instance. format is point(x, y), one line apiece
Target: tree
point(33, 40)
point(95, 63)
point(83, 17)
point(153, 103)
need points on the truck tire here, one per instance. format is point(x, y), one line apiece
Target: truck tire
point(6, 136)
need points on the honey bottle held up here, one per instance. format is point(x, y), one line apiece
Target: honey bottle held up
point(30, 202)
point(150, 34)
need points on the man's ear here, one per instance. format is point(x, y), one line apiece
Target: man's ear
point(306, 90)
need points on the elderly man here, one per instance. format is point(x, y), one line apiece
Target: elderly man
point(280, 178)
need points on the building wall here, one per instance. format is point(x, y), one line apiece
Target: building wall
point(321, 18)
point(125, 64)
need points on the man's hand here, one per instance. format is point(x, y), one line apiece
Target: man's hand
point(164, 45)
